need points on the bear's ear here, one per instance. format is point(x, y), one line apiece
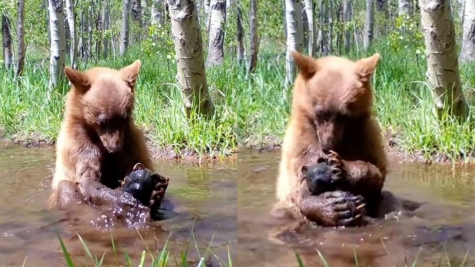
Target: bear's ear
point(131, 72)
point(78, 79)
point(365, 67)
point(307, 65)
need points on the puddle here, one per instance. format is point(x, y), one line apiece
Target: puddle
point(204, 199)
point(443, 226)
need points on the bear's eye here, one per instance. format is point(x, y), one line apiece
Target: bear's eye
point(102, 119)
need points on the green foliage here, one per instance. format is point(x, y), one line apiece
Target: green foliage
point(159, 42)
point(404, 104)
point(25, 112)
point(407, 33)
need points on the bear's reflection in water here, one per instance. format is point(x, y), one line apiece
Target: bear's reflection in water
point(441, 229)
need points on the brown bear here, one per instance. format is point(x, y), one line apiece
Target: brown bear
point(331, 118)
point(99, 144)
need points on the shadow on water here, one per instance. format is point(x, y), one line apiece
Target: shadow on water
point(442, 229)
point(204, 200)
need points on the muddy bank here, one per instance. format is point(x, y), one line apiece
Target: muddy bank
point(273, 144)
point(168, 153)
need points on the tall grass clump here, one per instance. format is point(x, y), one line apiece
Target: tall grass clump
point(403, 103)
point(161, 258)
point(26, 113)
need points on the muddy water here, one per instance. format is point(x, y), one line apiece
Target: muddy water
point(441, 230)
point(203, 201)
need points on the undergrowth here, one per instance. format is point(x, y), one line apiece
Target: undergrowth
point(26, 113)
point(403, 104)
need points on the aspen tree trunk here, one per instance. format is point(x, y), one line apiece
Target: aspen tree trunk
point(311, 26)
point(157, 13)
point(71, 17)
point(347, 15)
point(191, 73)
point(7, 42)
point(330, 27)
point(137, 11)
point(57, 41)
point(124, 32)
point(468, 43)
point(21, 37)
point(442, 63)
point(369, 25)
point(240, 38)
point(105, 26)
point(405, 8)
point(216, 33)
point(89, 32)
point(254, 44)
point(322, 19)
point(293, 17)
point(81, 36)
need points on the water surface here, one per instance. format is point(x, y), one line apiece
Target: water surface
point(443, 226)
point(204, 200)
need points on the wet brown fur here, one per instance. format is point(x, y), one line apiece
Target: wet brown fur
point(331, 85)
point(98, 143)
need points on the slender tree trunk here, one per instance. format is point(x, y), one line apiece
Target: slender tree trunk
point(347, 15)
point(293, 17)
point(468, 44)
point(7, 42)
point(405, 8)
point(442, 63)
point(71, 17)
point(81, 44)
point(89, 33)
point(191, 74)
point(137, 11)
point(322, 19)
point(311, 26)
point(330, 27)
point(105, 26)
point(216, 33)
point(157, 12)
point(369, 25)
point(21, 37)
point(254, 45)
point(240, 38)
point(124, 33)
point(57, 40)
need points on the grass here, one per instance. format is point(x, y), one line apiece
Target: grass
point(414, 263)
point(403, 104)
point(27, 114)
point(162, 258)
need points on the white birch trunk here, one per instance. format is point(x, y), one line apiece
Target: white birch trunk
point(7, 42)
point(347, 15)
point(369, 25)
point(57, 41)
point(405, 8)
point(254, 43)
point(442, 63)
point(240, 38)
point(293, 17)
point(468, 43)
point(191, 73)
point(216, 33)
point(155, 12)
point(21, 37)
point(72, 32)
point(311, 27)
point(124, 32)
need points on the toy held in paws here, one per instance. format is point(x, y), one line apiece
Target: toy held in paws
point(145, 185)
point(322, 176)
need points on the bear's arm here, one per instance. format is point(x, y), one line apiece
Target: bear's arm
point(88, 170)
point(315, 208)
point(363, 178)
